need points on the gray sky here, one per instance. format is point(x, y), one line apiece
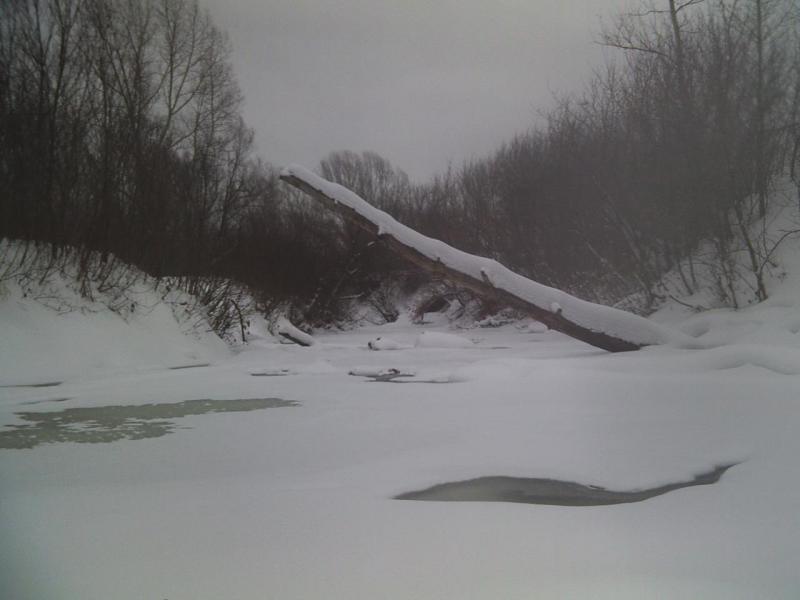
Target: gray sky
point(422, 82)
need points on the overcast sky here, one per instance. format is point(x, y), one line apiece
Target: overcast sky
point(422, 82)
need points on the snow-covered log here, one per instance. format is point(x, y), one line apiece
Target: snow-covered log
point(284, 328)
point(601, 326)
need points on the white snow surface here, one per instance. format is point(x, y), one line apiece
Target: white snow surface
point(385, 343)
point(536, 327)
point(595, 317)
point(284, 326)
point(40, 344)
point(437, 339)
point(296, 502)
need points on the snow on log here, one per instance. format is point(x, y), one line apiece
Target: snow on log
point(384, 343)
point(287, 331)
point(601, 326)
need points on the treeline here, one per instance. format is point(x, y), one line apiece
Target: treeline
point(668, 161)
point(120, 129)
point(121, 134)
point(678, 144)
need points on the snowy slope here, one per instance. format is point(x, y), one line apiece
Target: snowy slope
point(765, 334)
point(57, 334)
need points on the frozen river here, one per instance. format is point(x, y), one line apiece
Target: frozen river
point(272, 474)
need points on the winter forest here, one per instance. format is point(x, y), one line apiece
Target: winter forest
point(155, 267)
point(123, 140)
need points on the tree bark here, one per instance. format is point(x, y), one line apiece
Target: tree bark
point(551, 315)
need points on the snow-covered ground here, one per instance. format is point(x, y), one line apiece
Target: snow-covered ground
point(51, 333)
point(295, 502)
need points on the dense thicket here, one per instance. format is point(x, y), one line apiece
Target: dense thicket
point(667, 161)
point(678, 143)
point(121, 133)
point(120, 128)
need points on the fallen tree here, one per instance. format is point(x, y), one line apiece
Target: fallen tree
point(601, 326)
point(284, 329)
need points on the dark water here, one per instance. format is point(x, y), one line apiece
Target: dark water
point(548, 491)
point(103, 424)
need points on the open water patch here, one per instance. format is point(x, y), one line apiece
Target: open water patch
point(104, 424)
point(549, 491)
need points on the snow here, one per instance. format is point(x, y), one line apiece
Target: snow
point(285, 328)
point(380, 372)
point(620, 324)
point(435, 339)
point(39, 344)
point(295, 502)
point(537, 327)
point(384, 343)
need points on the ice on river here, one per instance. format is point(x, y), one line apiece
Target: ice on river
point(296, 501)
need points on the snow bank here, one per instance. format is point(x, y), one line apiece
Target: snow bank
point(536, 327)
point(80, 337)
point(436, 339)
